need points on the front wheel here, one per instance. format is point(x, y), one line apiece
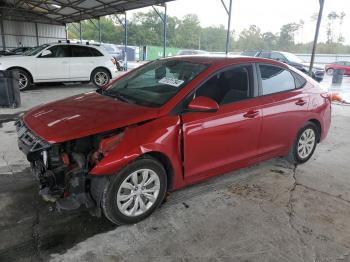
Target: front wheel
point(24, 80)
point(305, 144)
point(100, 77)
point(135, 192)
point(330, 71)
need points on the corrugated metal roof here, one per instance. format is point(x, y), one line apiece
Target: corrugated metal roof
point(67, 11)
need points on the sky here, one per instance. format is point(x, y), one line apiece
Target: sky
point(268, 15)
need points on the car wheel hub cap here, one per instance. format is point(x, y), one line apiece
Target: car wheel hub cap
point(138, 192)
point(101, 78)
point(306, 143)
point(22, 81)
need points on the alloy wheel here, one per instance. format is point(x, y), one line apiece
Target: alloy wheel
point(138, 192)
point(101, 78)
point(306, 143)
point(22, 81)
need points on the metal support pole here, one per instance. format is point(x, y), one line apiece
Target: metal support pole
point(80, 32)
point(164, 20)
point(164, 29)
point(126, 43)
point(316, 36)
point(228, 34)
point(66, 28)
point(36, 34)
point(99, 30)
point(2, 33)
point(125, 26)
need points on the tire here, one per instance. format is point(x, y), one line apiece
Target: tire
point(100, 77)
point(121, 205)
point(330, 71)
point(24, 79)
point(302, 150)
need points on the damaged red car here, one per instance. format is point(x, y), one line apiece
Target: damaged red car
point(168, 124)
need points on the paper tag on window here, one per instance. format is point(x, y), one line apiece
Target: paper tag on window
point(170, 81)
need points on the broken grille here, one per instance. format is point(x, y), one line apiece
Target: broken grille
point(33, 142)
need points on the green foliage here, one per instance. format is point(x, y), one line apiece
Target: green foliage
point(187, 33)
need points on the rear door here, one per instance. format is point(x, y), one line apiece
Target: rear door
point(214, 142)
point(54, 66)
point(284, 106)
point(83, 62)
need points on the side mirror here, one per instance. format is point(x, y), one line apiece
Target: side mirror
point(46, 53)
point(203, 104)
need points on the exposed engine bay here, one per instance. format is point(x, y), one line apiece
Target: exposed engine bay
point(63, 169)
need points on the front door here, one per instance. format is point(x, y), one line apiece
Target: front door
point(53, 66)
point(214, 142)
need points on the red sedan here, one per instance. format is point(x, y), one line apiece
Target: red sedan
point(168, 124)
point(338, 65)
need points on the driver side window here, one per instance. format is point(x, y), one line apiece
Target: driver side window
point(57, 51)
point(232, 85)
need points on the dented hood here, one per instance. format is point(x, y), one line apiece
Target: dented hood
point(83, 115)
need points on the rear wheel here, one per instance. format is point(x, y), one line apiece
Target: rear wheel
point(135, 192)
point(330, 71)
point(305, 144)
point(100, 77)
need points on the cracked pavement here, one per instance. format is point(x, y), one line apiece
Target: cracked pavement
point(272, 211)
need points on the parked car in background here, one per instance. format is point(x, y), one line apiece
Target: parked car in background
point(116, 53)
point(15, 51)
point(61, 62)
point(250, 52)
point(290, 59)
point(170, 123)
point(192, 52)
point(344, 65)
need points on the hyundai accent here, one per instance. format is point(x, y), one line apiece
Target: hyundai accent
point(168, 124)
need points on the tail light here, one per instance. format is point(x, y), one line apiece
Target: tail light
point(333, 97)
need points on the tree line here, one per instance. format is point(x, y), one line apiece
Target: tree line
point(187, 33)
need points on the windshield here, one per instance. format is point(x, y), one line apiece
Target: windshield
point(155, 83)
point(35, 50)
point(293, 58)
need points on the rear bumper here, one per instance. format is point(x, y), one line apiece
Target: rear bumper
point(327, 120)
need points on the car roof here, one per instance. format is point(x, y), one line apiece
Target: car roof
point(225, 59)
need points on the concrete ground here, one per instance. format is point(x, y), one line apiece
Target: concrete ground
point(268, 212)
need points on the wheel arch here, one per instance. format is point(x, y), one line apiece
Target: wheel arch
point(165, 161)
point(24, 69)
point(319, 127)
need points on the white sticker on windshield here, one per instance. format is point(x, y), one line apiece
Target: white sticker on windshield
point(170, 81)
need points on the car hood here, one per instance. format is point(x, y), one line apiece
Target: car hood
point(83, 115)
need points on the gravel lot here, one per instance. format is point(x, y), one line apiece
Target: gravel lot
point(268, 212)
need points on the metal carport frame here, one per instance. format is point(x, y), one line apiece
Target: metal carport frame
point(61, 12)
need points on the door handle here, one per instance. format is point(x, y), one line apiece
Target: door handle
point(300, 102)
point(251, 114)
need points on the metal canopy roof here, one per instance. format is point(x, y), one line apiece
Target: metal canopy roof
point(67, 11)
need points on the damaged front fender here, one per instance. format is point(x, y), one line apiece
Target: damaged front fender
point(160, 135)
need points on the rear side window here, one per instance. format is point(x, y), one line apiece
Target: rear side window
point(80, 51)
point(277, 56)
point(299, 80)
point(265, 54)
point(95, 52)
point(275, 79)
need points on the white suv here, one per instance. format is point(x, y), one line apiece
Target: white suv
point(61, 62)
